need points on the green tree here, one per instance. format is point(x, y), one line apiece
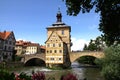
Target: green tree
point(100, 43)
point(109, 16)
point(92, 46)
point(96, 45)
point(110, 64)
point(85, 47)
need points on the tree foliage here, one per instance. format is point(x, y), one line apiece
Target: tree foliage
point(92, 46)
point(85, 47)
point(109, 15)
point(5, 75)
point(87, 60)
point(95, 45)
point(111, 63)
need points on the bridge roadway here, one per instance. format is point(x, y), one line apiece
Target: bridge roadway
point(73, 55)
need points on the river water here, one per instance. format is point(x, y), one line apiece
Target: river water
point(81, 72)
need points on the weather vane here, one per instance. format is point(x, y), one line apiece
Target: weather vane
point(58, 8)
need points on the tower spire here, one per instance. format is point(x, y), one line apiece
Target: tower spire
point(59, 15)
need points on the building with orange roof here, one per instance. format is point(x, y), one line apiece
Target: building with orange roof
point(27, 47)
point(20, 47)
point(7, 45)
point(33, 48)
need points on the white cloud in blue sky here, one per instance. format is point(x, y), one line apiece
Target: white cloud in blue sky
point(78, 44)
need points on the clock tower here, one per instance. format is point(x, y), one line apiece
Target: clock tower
point(58, 43)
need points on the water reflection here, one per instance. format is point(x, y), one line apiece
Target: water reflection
point(79, 72)
point(89, 73)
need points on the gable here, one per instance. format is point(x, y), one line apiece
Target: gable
point(6, 34)
point(54, 37)
point(12, 36)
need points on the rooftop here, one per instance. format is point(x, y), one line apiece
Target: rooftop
point(4, 35)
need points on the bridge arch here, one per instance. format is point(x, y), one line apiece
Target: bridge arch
point(26, 58)
point(34, 62)
point(85, 56)
point(36, 57)
point(75, 55)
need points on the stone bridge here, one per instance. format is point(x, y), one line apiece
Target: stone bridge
point(73, 55)
point(27, 57)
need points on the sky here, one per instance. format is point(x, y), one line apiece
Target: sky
point(28, 20)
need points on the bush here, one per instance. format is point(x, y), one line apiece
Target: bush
point(24, 76)
point(111, 63)
point(5, 75)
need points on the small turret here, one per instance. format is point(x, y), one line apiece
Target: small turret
point(59, 16)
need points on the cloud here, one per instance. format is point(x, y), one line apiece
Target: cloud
point(78, 44)
point(21, 39)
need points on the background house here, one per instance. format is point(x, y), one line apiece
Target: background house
point(27, 47)
point(7, 45)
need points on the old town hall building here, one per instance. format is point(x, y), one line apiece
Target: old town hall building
point(58, 43)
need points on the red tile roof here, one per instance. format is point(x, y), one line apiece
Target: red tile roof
point(33, 44)
point(42, 47)
point(4, 35)
point(26, 43)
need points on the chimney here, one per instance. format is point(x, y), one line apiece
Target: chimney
point(4, 31)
